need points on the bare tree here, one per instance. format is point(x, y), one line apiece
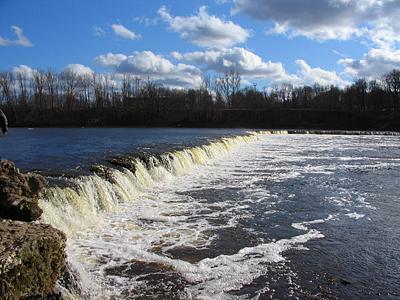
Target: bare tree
point(392, 80)
point(70, 83)
point(113, 90)
point(126, 85)
point(204, 94)
point(51, 79)
point(206, 83)
point(6, 84)
point(85, 85)
point(39, 84)
point(99, 88)
point(23, 87)
point(117, 99)
point(360, 87)
point(227, 85)
point(285, 92)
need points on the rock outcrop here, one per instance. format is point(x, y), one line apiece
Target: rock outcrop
point(103, 171)
point(124, 162)
point(32, 256)
point(19, 193)
point(32, 259)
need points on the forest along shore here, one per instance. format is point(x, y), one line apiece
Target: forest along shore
point(68, 99)
point(221, 118)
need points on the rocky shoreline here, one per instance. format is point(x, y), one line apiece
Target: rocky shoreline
point(32, 255)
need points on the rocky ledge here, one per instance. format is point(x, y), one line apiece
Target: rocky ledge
point(32, 259)
point(19, 193)
point(32, 255)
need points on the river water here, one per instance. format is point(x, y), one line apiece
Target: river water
point(256, 216)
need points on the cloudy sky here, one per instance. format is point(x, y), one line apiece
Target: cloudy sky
point(175, 42)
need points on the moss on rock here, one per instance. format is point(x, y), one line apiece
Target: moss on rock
point(32, 259)
point(19, 193)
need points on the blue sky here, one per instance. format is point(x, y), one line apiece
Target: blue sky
point(267, 41)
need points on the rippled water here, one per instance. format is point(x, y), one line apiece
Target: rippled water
point(273, 216)
point(59, 150)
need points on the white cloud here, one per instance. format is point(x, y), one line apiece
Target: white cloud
point(340, 54)
point(316, 33)
point(374, 64)
point(21, 39)
point(124, 32)
point(309, 75)
point(328, 19)
point(28, 72)
point(157, 67)
point(385, 32)
point(98, 31)
point(205, 30)
point(110, 59)
point(251, 66)
point(245, 62)
point(79, 69)
point(23, 70)
point(146, 21)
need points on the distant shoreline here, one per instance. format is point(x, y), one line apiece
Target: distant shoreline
point(227, 118)
point(289, 130)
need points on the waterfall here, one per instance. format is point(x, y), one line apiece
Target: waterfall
point(79, 203)
point(76, 205)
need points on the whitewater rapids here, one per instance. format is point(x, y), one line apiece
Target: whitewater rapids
point(103, 219)
point(218, 221)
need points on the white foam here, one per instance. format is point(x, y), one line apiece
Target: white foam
point(109, 223)
point(144, 215)
point(303, 225)
point(212, 278)
point(77, 206)
point(355, 215)
point(215, 276)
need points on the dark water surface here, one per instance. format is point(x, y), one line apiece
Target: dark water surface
point(56, 149)
point(281, 217)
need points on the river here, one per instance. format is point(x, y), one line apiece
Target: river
point(220, 214)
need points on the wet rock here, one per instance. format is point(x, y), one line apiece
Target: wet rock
point(104, 172)
point(19, 193)
point(32, 259)
point(139, 268)
point(149, 160)
point(159, 281)
point(72, 282)
point(129, 162)
point(124, 162)
point(189, 254)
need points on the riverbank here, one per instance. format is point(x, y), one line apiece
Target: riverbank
point(32, 255)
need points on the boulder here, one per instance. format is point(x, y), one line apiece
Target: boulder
point(19, 193)
point(103, 171)
point(124, 162)
point(159, 280)
point(32, 259)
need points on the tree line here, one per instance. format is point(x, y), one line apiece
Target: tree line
point(48, 98)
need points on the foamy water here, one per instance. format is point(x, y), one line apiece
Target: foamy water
point(219, 221)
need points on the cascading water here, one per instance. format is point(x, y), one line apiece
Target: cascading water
point(80, 204)
point(239, 218)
